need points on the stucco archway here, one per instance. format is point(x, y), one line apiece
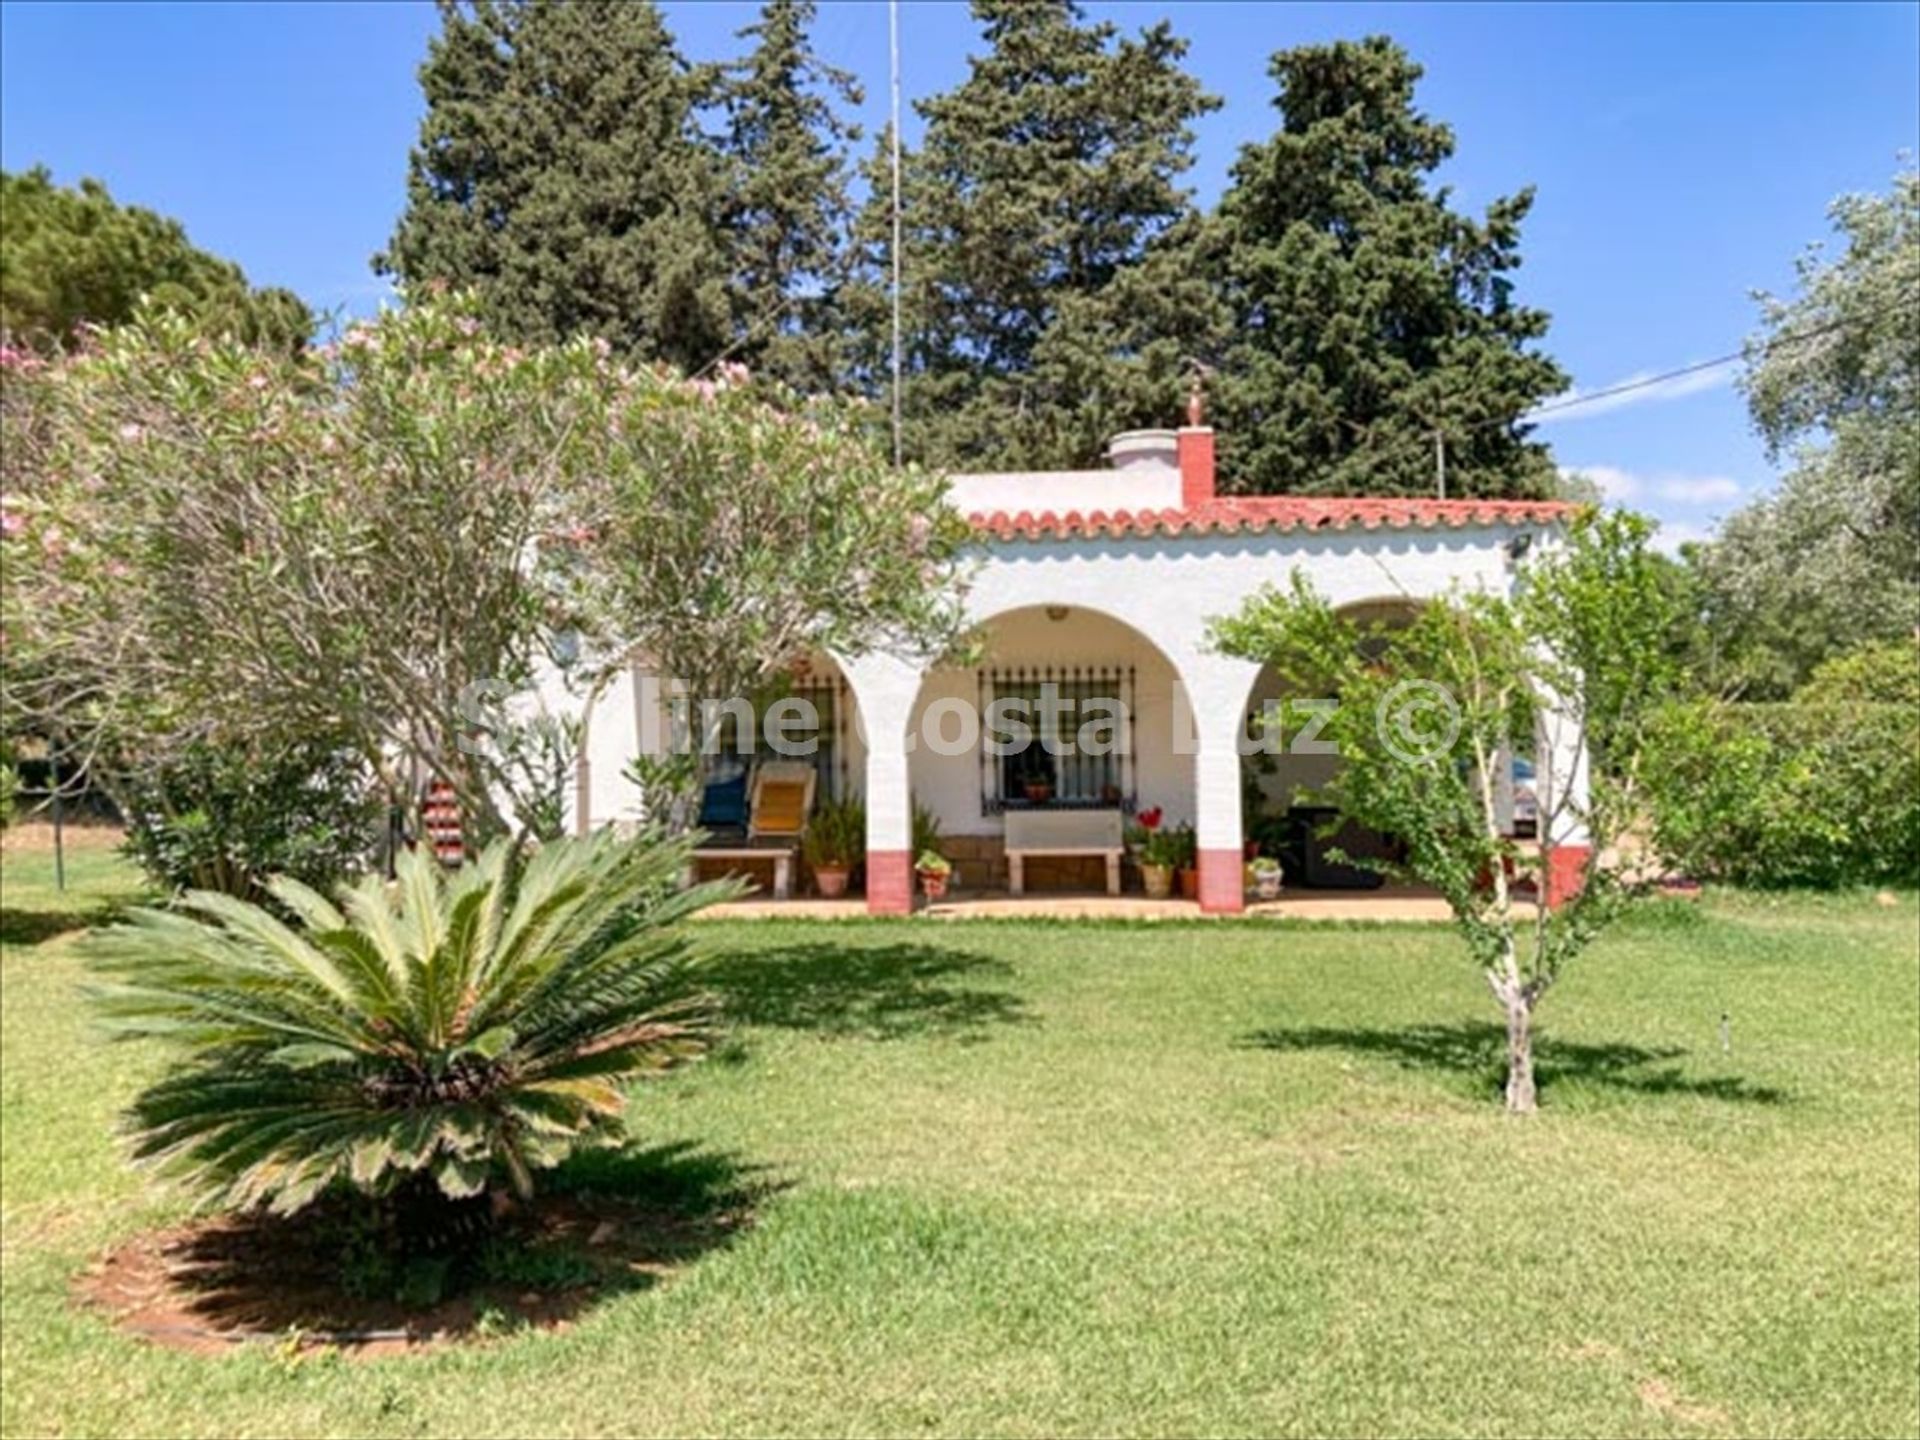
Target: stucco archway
point(1108, 680)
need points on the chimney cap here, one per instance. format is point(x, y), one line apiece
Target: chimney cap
point(1144, 447)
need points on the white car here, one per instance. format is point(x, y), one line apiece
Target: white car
point(1526, 799)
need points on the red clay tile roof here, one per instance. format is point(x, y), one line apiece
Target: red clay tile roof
point(1253, 515)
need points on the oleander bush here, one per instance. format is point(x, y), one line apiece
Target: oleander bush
point(217, 818)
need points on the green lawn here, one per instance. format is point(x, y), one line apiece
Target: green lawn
point(1043, 1179)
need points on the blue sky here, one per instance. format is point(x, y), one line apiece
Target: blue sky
point(1683, 154)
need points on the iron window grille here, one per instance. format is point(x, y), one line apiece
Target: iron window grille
point(1074, 778)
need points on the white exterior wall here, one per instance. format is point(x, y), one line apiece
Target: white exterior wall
point(1136, 487)
point(1167, 589)
point(1145, 601)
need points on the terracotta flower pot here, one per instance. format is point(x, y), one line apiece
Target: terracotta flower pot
point(933, 883)
point(1038, 793)
point(1189, 884)
point(1158, 880)
point(831, 880)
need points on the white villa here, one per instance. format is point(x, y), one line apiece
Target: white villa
point(1103, 583)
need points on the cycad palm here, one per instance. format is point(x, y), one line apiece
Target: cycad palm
point(452, 1028)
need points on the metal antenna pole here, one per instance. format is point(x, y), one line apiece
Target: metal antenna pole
point(893, 46)
point(1440, 461)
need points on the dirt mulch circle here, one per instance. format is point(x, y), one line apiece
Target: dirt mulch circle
point(211, 1286)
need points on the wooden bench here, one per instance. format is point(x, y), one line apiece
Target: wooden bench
point(780, 855)
point(1050, 833)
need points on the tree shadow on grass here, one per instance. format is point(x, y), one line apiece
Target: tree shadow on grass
point(35, 927)
point(604, 1224)
point(879, 992)
point(1476, 1052)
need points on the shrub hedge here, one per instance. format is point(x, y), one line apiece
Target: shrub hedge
point(1812, 792)
point(226, 820)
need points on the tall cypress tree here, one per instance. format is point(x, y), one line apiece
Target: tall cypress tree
point(788, 213)
point(1368, 314)
point(561, 173)
point(1049, 297)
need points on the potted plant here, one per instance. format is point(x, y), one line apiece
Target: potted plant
point(835, 842)
point(1155, 852)
point(1186, 860)
point(1034, 775)
point(934, 870)
point(1264, 871)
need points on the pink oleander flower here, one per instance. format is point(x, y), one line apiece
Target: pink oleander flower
point(12, 522)
point(256, 382)
point(131, 432)
point(732, 372)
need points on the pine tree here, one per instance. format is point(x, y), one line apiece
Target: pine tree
point(561, 173)
point(76, 256)
point(1369, 315)
point(788, 213)
point(1049, 294)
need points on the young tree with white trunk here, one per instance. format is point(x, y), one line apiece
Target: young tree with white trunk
point(1429, 710)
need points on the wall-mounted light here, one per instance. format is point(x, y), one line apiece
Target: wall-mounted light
point(1057, 613)
point(1518, 546)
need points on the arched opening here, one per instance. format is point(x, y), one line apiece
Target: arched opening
point(801, 730)
point(1109, 735)
point(1285, 768)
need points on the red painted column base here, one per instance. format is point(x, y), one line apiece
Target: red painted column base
point(1223, 888)
point(889, 882)
point(1565, 864)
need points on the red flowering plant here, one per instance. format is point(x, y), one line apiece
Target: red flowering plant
point(1151, 844)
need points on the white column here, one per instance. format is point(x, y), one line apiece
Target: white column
point(1561, 784)
point(1562, 778)
point(1217, 689)
point(885, 688)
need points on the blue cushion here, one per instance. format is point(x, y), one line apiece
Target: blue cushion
point(724, 802)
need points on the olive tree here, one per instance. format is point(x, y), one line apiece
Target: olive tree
point(1427, 712)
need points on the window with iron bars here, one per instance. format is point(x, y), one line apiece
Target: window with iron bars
point(1060, 775)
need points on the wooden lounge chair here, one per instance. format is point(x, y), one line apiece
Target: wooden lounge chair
point(780, 799)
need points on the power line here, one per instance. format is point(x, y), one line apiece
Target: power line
point(1779, 342)
point(1438, 435)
